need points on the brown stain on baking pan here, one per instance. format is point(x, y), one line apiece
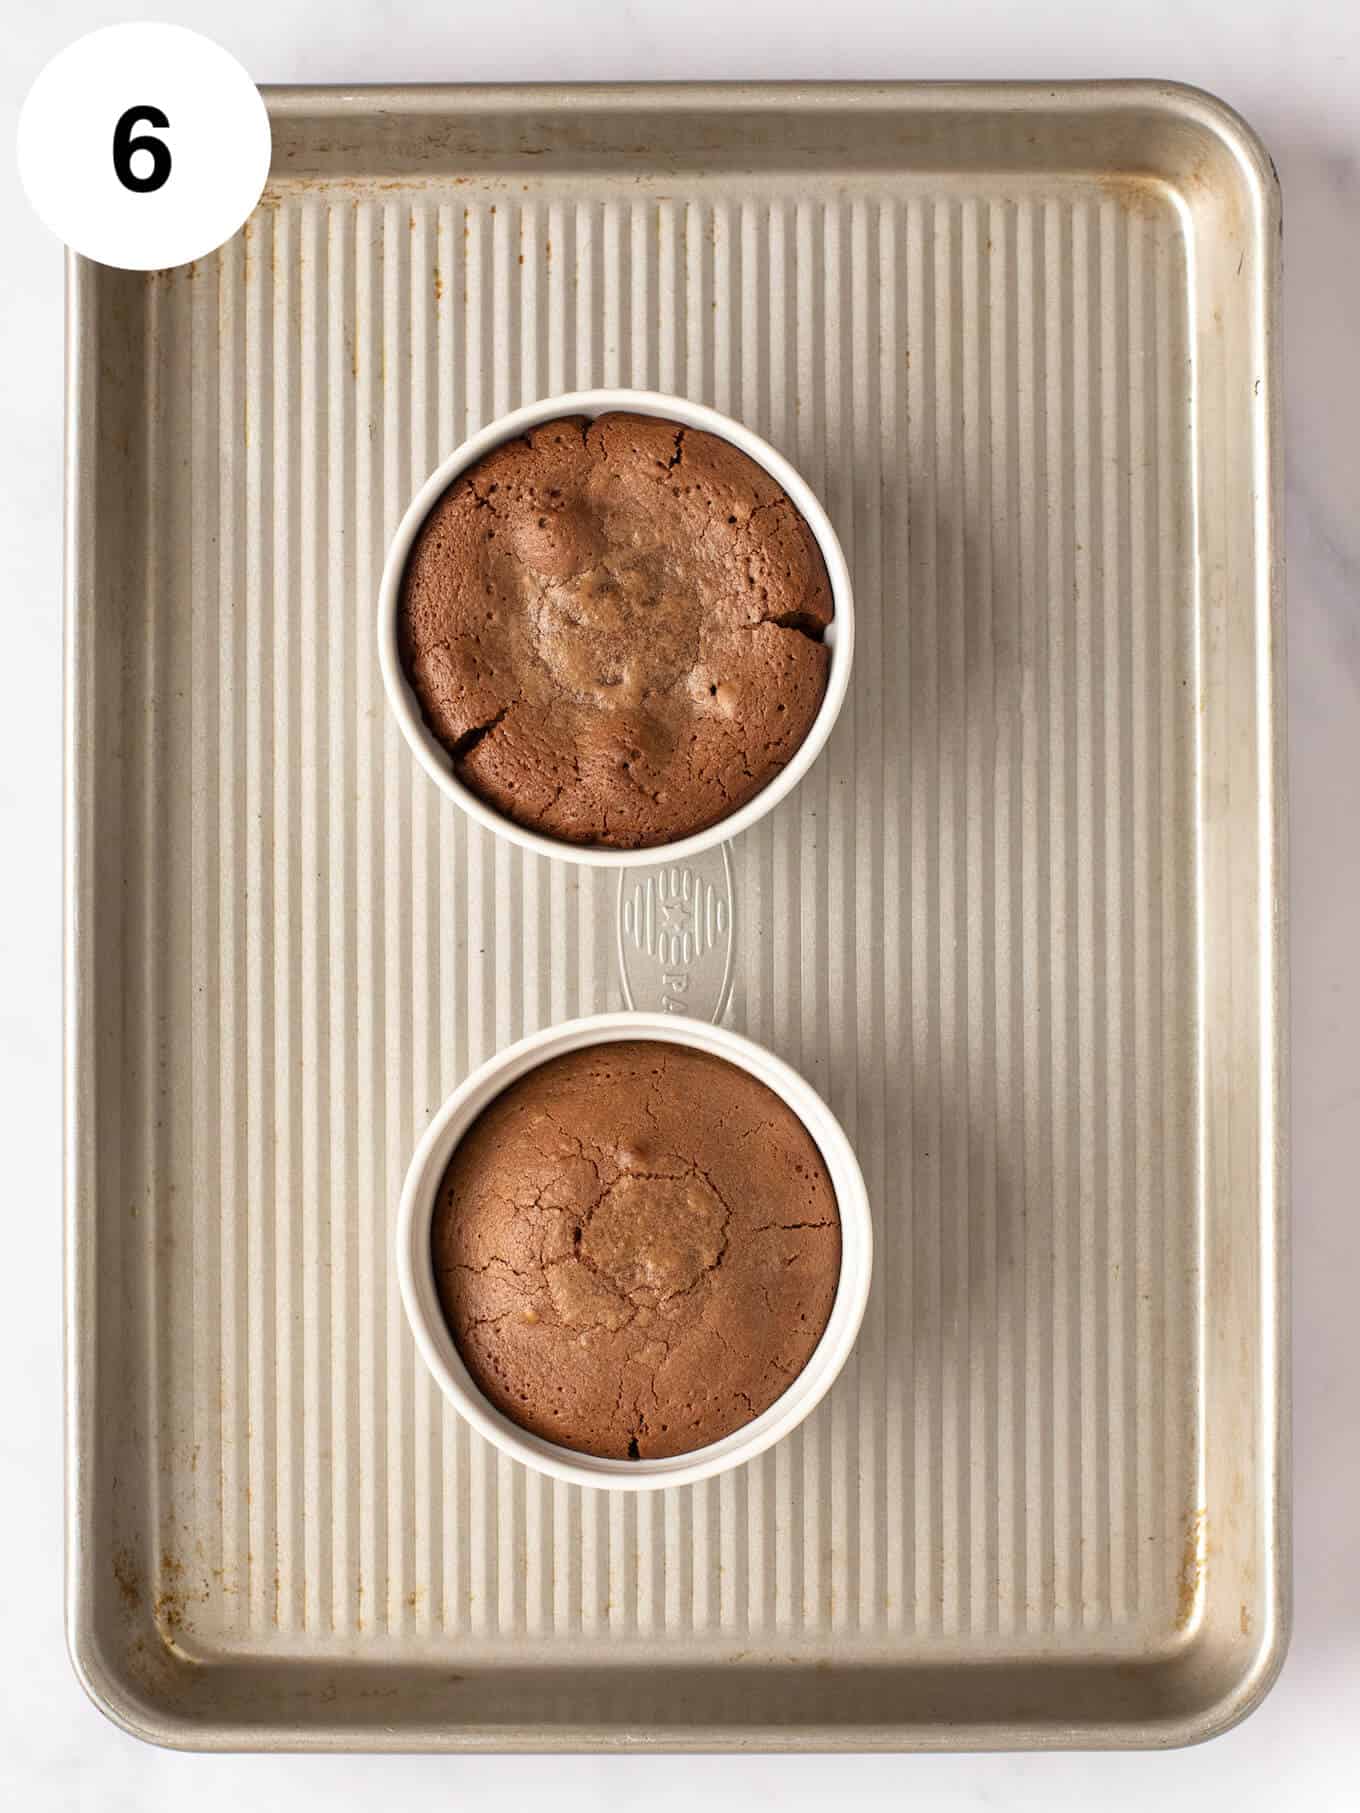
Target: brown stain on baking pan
point(127, 1577)
point(170, 1600)
point(1141, 196)
point(1190, 1579)
point(160, 1672)
point(176, 1597)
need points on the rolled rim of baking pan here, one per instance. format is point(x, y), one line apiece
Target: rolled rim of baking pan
point(420, 1298)
point(839, 635)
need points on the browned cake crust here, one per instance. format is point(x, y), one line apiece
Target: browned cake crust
point(637, 1248)
point(614, 629)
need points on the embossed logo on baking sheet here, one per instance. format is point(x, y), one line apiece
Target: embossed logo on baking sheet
point(675, 936)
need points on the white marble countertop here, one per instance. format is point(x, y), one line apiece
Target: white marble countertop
point(1293, 68)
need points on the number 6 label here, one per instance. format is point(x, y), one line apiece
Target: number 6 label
point(124, 145)
point(144, 146)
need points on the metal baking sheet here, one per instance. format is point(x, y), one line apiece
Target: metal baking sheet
point(1021, 925)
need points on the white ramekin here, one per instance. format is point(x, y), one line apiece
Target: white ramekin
point(415, 1268)
point(839, 636)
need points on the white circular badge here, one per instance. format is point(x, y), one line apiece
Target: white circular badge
point(143, 146)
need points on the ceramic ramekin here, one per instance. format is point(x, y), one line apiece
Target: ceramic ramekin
point(415, 1268)
point(432, 755)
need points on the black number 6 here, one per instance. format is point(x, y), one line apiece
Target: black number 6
point(124, 145)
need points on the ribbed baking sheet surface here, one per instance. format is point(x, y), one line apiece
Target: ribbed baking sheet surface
point(979, 927)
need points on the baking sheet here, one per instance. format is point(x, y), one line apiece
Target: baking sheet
point(1021, 926)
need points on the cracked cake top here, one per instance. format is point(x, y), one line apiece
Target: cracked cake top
point(614, 628)
point(636, 1248)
